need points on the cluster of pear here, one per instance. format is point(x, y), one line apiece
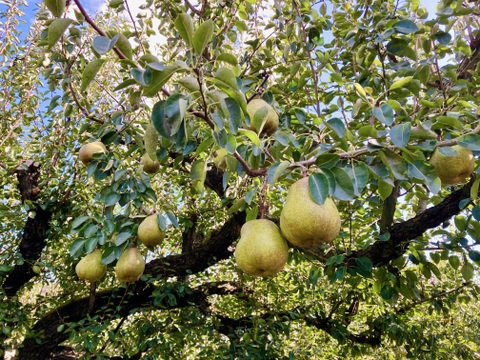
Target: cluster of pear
point(454, 168)
point(262, 249)
point(131, 264)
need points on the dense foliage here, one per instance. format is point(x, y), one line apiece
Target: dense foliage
point(365, 91)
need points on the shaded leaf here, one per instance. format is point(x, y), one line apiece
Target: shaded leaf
point(318, 186)
point(56, 29)
point(202, 36)
point(184, 25)
point(90, 72)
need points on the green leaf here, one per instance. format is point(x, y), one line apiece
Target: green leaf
point(112, 199)
point(276, 170)
point(90, 72)
point(173, 219)
point(102, 44)
point(56, 30)
point(405, 26)
point(338, 126)
point(384, 189)
point(467, 271)
point(318, 186)
point(344, 190)
point(384, 113)
point(359, 174)
point(203, 35)
point(387, 292)
point(122, 237)
point(184, 25)
point(471, 141)
point(442, 37)
point(108, 255)
point(167, 116)
point(160, 78)
point(227, 77)
point(235, 114)
point(57, 7)
point(401, 83)
point(228, 58)
point(151, 141)
point(364, 266)
point(79, 221)
point(400, 134)
point(454, 261)
point(396, 46)
point(252, 135)
point(76, 249)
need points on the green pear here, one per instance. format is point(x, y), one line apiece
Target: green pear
point(90, 267)
point(261, 250)
point(130, 265)
point(149, 166)
point(453, 169)
point(88, 150)
point(219, 160)
point(149, 233)
point(303, 222)
point(270, 118)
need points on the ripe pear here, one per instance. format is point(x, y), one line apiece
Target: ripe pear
point(130, 265)
point(270, 122)
point(453, 169)
point(149, 166)
point(90, 267)
point(149, 233)
point(261, 250)
point(303, 222)
point(86, 151)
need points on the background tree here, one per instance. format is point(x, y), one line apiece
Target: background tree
point(365, 91)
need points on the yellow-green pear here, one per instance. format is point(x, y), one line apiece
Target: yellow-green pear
point(261, 250)
point(90, 267)
point(88, 150)
point(149, 166)
point(219, 159)
point(453, 169)
point(149, 233)
point(130, 265)
point(270, 122)
point(303, 222)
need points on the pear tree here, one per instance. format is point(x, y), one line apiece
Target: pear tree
point(239, 179)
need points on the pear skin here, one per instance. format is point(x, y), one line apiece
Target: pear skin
point(270, 124)
point(261, 250)
point(90, 267)
point(86, 151)
point(130, 265)
point(453, 169)
point(303, 222)
point(149, 233)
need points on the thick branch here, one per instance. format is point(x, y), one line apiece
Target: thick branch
point(35, 231)
point(381, 252)
point(214, 249)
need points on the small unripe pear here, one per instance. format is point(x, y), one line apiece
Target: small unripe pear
point(86, 151)
point(219, 159)
point(453, 169)
point(149, 233)
point(261, 250)
point(90, 267)
point(149, 166)
point(130, 265)
point(303, 222)
point(270, 121)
